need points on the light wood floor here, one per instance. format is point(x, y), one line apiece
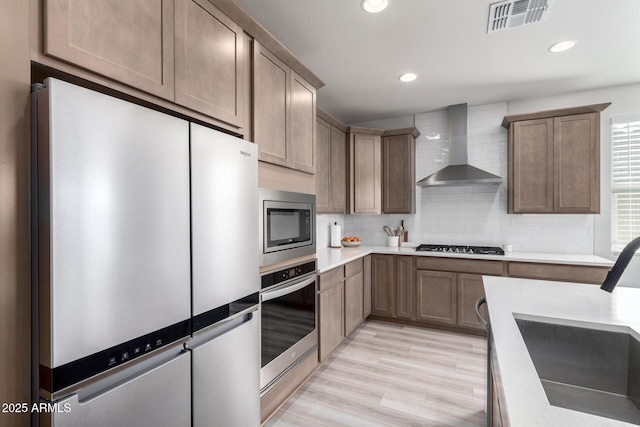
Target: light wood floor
point(386, 374)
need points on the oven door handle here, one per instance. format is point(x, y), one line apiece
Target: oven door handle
point(266, 296)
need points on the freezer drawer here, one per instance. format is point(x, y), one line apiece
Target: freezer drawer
point(226, 374)
point(155, 393)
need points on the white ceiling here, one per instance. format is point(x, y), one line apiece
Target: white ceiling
point(359, 56)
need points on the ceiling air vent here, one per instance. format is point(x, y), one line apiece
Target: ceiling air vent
point(510, 14)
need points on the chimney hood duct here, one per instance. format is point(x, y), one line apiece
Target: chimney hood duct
point(459, 172)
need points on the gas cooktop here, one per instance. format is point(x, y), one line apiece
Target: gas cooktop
point(461, 249)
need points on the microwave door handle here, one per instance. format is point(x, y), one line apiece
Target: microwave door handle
point(287, 289)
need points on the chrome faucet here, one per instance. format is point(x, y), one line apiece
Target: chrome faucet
point(621, 263)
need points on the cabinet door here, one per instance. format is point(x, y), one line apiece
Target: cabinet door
point(405, 288)
point(338, 180)
point(398, 176)
point(366, 174)
point(577, 163)
point(470, 290)
point(271, 79)
point(209, 61)
point(436, 297)
point(331, 319)
point(353, 308)
point(366, 271)
point(383, 285)
point(531, 152)
point(323, 167)
point(302, 122)
point(128, 41)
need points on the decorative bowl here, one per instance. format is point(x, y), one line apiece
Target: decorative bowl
point(350, 244)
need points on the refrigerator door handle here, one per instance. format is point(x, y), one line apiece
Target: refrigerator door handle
point(138, 370)
point(269, 295)
point(222, 327)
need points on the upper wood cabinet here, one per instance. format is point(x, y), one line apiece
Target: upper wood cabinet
point(365, 171)
point(131, 41)
point(531, 161)
point(398, 171)
point(576, 166)
point(381, 170)
point(284, 113)
point(554, 161)
point(331, 184)
point(270, 105)
point(193, 57)
point(209, 61)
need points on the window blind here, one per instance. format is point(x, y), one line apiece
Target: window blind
point(625, 215)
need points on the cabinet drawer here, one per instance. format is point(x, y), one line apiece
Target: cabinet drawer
point(354, 267)
point(461, 265)
point(330, 278)
point(567, 273)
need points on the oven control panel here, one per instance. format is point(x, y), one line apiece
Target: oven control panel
point(289, 273)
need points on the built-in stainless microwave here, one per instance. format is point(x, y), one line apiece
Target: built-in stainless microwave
point(287, 225)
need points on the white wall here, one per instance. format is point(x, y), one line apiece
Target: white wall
point(478, 215)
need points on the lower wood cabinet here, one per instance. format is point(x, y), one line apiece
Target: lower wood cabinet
point(341, 305)
point(353, 306)
point(366, 275)
point(437, 297)
point(470, 290)
point(331, 319)
point(405, 287)
point(449, 298)
point(383, 278)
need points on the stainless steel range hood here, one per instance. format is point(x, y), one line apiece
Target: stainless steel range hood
point(459, 172)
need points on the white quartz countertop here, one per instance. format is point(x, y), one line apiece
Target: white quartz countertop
point(329, 258)
point(556, 302)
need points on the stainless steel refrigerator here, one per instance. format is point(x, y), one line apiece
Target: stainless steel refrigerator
point(134, 322)
point(226, 320)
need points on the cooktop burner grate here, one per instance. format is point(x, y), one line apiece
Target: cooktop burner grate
point(461, 249)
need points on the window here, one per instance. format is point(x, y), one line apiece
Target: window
point(625, 209)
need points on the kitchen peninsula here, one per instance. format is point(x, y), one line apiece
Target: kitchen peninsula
point(522, 397)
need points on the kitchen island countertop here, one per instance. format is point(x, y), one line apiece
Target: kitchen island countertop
point(330, 258)
point(571, 304)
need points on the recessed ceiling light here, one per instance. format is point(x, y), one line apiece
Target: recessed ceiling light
point(562, 46)
point(407, 77)
point(374, 6)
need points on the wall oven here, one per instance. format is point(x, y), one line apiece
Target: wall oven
point(287, 226)
point(288, 321)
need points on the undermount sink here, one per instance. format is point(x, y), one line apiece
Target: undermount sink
point(586, 370)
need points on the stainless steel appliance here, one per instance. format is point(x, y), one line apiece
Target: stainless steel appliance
point(461, 249)
point(287, 226)
point(225, 300)
point(115, 204)
point(288, 321)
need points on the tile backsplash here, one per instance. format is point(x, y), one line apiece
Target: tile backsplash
point(474, 215)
